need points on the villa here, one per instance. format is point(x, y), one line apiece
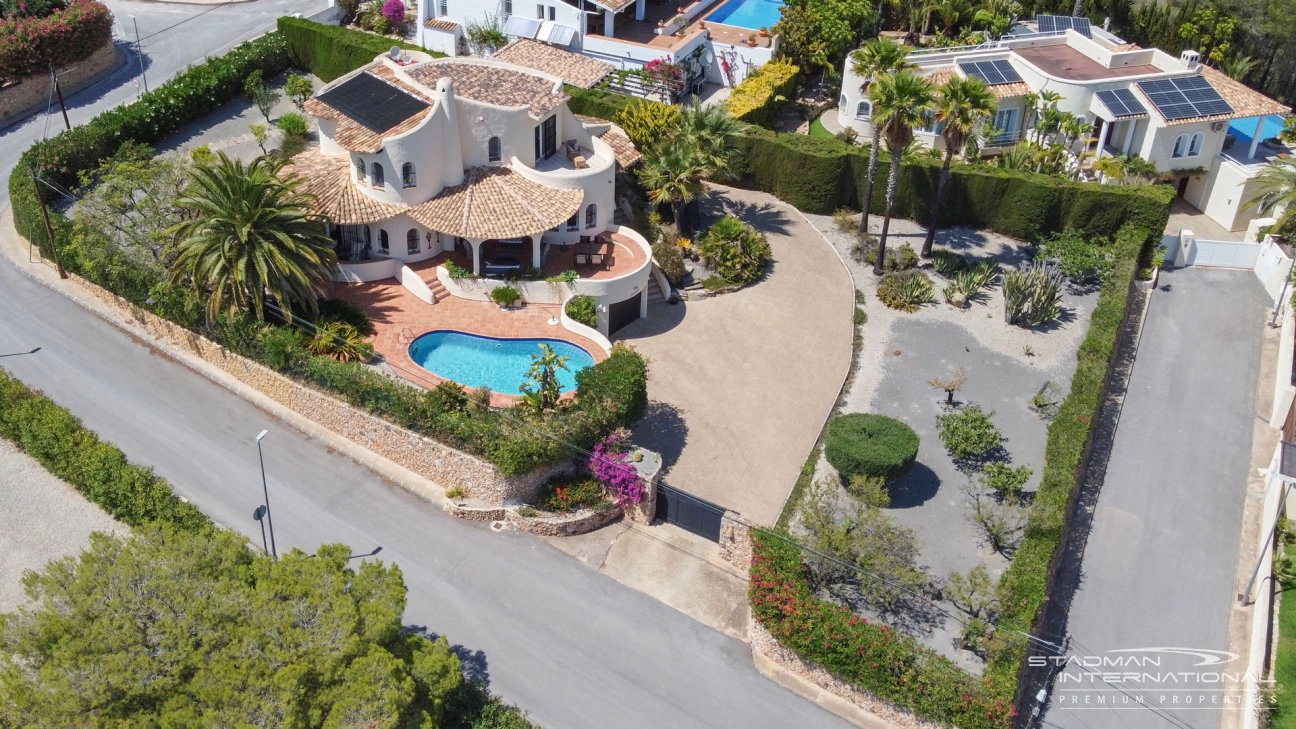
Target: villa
point(449, 177)
point(712, 41)
point(1198, 126)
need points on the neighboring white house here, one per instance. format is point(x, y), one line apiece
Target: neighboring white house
point(1173, 112)
point(476, 159)
point(628, 34)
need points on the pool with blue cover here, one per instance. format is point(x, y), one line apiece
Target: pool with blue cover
point(753, 14)
point(500, 364)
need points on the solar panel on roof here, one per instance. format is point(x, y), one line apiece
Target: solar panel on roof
point(1060, 23)
point(1122, 103)
point(1186, 97)
point(521, 27)
point(373, 103)
point(992, 72)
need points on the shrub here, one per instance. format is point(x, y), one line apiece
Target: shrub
point(906, 290)
point(870, 490)
point(760, 96)
point(1005, 480)
point(617, 385)
point(583, 309)
point(645, 122)
point(394, 12)
point(670, 260)
point(736, 251)
point(98, 470)
point(1033, 295)
point(30, 8)
point(969, 434)
point(294, 125)
point(299, 88)
point(28, 45)
point(339, 340)
point(898, 258)
point(947, 263)
point(571, 493)
point(330, 51)
point(1081, 261)
point(505, 295)
point(859, 444)
point(345, 311)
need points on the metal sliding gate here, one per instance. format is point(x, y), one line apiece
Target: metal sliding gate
point(689, 512)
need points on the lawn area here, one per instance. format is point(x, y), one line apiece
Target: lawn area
point(817, 129)
point(1284, 715)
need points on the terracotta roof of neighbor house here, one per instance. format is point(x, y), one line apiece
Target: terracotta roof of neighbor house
point(622, 147)
point(496, 202)
point(591, 119)
point(355, 137)
point(1008, 91)
point(441, 24)
point(337, 198)
point(491, 84)
point(613, 5)
point(940, 76)
point(1245, 102)
point(572, 68)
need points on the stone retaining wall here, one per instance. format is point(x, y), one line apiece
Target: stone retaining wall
point(735, 541)
point(563, 525)
point(440, 464)
point(34, 92)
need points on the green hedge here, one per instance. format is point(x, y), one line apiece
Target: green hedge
point(1024, 582)
point(99, 470)
point(760, 96)
point(330, 51)
point(891, 665)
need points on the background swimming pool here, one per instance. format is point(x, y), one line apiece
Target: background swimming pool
point(753, 14)
point(1244, 128)
point(500, 364)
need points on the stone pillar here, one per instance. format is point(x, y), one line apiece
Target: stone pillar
point(639, 9)
point(535, 250)
point(735, 540)
point(1255, 137)
point(475, 245)
point(609, 23)
point(1129, 136)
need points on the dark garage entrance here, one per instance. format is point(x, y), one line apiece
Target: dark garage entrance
point(689, 512)
point(623, 312)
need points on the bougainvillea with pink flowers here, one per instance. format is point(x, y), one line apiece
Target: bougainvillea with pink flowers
point(28, 45)
point(612, 467)
point(394, 12)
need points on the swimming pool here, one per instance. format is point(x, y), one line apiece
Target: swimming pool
point(500, 364)
point(1244, 128)
point(754, 14)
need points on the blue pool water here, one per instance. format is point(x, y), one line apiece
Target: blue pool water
point(753, 14)
point(500, 364)
point(1244, 128)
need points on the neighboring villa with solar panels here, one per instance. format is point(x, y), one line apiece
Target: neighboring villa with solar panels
point(1175, 112)
point(430, 166)
point(709, 37)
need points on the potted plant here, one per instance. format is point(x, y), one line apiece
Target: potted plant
point(751, 40)
point(506, 296)
point(764, 31)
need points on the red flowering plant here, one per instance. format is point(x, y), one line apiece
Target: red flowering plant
point(29, 44)
point(571, 493)
point(868, 655)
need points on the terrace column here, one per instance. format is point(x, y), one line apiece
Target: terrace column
point(639, 9)
point(535, 250)
point(475, 245)
point(1255, 137)
point(609, 23)
point(1102, 136)
point(1129, 136)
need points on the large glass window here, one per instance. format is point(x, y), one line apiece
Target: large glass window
point(863, 110)
point(377, 175)
point(1180, 145)
point(383, 244)
point(1195, 145)
point(407, 174)
point(591, 216)
point(412, 241)
point(573, 223)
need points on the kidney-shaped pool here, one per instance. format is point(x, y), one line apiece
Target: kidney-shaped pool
point(500, 364)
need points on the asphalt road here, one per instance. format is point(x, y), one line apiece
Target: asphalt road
point(1160, 562)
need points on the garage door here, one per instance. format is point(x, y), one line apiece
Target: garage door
point(622, 313)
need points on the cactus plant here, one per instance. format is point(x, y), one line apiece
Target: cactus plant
point(1033, 295)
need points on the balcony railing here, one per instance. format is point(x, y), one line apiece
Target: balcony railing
point(1006, 139)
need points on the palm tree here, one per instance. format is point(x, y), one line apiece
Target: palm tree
point(1276, 189)
point(1238, 67)
point(878, 58)
point(900, 103)
point(251, 236)
point(964, 105)
point(672, 173)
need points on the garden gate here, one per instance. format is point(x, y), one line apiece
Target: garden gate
point(689, 512)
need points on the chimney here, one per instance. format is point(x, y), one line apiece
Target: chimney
point(1190, 59)
point(452, 169)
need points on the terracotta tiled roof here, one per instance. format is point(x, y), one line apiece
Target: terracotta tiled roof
point(1245, 102)
point(337, 198)
point(491, 84)
point(591, 119)
point(622, 147)
point(496, 202)
point(1008, 91)
point(355, 137)
point(940, 76)
point(441, 24)
point(612, 5)
point(572, 68)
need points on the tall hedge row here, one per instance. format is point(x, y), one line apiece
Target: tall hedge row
point(760, 96)
point(330, 51)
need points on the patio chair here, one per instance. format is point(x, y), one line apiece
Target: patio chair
point(581, 259)
point(596, 259)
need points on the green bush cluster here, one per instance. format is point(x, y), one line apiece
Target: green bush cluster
point(906, 290)
point(583, 309)
point(571, 493)
point(330, 51)
point(760, 96)
point(884, 662)
point(57, 439)
point(867, 444)
point(667, 256)
point(969, 434)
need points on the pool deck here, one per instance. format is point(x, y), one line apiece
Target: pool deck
point(399, 317)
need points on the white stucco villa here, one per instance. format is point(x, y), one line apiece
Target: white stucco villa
point(718, 41)
point(1191, 121)
point(427, 167)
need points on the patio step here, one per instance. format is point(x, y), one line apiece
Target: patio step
point(438, 291)
point(655, 295)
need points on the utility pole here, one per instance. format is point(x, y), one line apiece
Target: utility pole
point(49, 229)
point(139, 51)
point(59, 91)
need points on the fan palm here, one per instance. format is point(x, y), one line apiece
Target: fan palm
point(878, 58)
point(1276, 190)
point(964, 105)
point(900, 103)
point(715, 136)
point(251, 236)
point(1238, 67)
point(672, 174)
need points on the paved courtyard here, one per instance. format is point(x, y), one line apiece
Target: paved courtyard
point(740, 385)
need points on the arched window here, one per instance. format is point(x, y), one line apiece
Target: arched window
point(573, 223)
point(383, 244)
point(591, 216)
point(863, 110)
point(1195, 146)
point(411, 241)
point(842, 103)
point(1180, 145)
point(377, 175)
point(493, 149)
point(407, 174)
point(360, 169)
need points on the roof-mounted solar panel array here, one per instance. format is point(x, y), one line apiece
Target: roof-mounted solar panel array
point(1122, 103)
point(1060, 23)
point(992, 72)
point(373, 103)
point(1186, 97)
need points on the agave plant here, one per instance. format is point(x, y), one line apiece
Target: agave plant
point(906, 290)
point(948, 263)
point(983, 274)
point(1033, 295)
point(339, 340)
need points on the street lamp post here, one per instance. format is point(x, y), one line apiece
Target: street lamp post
point(266, 491)
point(259, 514)
point(139, 51)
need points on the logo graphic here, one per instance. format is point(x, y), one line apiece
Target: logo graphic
point(1208, 657)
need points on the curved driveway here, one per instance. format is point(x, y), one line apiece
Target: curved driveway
point(741, 384)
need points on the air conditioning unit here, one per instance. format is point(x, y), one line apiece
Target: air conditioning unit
point(1217, 126)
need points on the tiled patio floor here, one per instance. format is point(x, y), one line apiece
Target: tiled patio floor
point(626, 256)
point(399, 316)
